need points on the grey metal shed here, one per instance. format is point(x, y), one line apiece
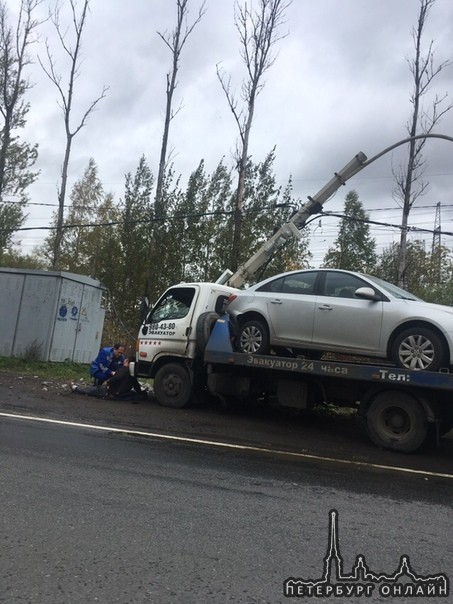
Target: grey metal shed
point(60, 313)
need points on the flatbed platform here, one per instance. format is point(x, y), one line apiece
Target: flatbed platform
point(220, 351)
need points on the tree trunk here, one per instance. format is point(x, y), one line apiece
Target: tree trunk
point(61, 200)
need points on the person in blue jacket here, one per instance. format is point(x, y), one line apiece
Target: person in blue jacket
point(121, 386)
point(106, 363)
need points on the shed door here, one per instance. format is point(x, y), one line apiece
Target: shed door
point(78, 323)
point(66, 321)
point(89, 326)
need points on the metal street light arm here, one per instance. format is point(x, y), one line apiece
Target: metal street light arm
point(297, 221)
point(313, 206)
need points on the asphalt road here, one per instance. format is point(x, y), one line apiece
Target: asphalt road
point(324, 436)
point(96, 515)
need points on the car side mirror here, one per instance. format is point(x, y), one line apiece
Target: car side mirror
point(367, 293)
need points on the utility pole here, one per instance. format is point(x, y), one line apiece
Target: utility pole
point(436, 251)
point(437, 230)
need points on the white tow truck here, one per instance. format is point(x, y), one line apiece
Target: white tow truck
point(185, 344)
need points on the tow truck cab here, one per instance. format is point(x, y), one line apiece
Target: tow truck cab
point(169, 330)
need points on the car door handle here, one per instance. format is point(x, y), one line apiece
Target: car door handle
point(276, 301)
point(325, 307)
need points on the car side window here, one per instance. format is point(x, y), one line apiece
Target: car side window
point(295, 283)
point(272, 286)
point(341, 285)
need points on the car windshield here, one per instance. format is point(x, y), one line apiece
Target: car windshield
point(397, 292)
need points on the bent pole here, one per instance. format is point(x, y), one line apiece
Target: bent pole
point(313, 206)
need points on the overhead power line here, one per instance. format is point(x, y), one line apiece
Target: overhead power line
point(223, 213)
point(120, 222)
point(395, 208)
point(385, 224)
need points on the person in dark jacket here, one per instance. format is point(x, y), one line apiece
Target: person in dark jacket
point(106, 363)
point(122, 385)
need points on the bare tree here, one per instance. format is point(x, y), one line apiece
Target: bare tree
point(258, 34)
point(409, 181)
point(175, 40)
point(66, 99)
point(16, 157)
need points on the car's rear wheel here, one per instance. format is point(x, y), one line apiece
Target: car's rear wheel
point(253, 337)
point(419, 348)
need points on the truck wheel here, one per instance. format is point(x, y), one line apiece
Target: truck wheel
point(203, 329)
point(396, 420)
point(253, 337)
point(172, 386)
point(418, 348)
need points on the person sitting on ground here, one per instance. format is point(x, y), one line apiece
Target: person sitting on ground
point(122, 385)
point(106, 363)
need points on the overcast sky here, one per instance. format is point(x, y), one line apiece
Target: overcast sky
point(340, 84)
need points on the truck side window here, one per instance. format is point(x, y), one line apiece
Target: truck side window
point(175, 304)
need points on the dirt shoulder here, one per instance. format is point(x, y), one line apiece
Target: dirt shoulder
point(325, 436)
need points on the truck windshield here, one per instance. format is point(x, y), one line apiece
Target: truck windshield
point(174, 304)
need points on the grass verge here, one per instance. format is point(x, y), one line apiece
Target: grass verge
point(58, 371)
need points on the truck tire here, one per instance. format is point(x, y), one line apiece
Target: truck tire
point(172, 386)
point(203, 329)
point(253, 337)
point(396, 420)
point(419, 348)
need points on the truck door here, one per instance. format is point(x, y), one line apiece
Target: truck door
point(169, 323)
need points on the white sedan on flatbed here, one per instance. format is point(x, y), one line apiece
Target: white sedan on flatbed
point(327, 310)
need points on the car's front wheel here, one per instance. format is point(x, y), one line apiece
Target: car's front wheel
point(253, 337)
point(419, 348)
